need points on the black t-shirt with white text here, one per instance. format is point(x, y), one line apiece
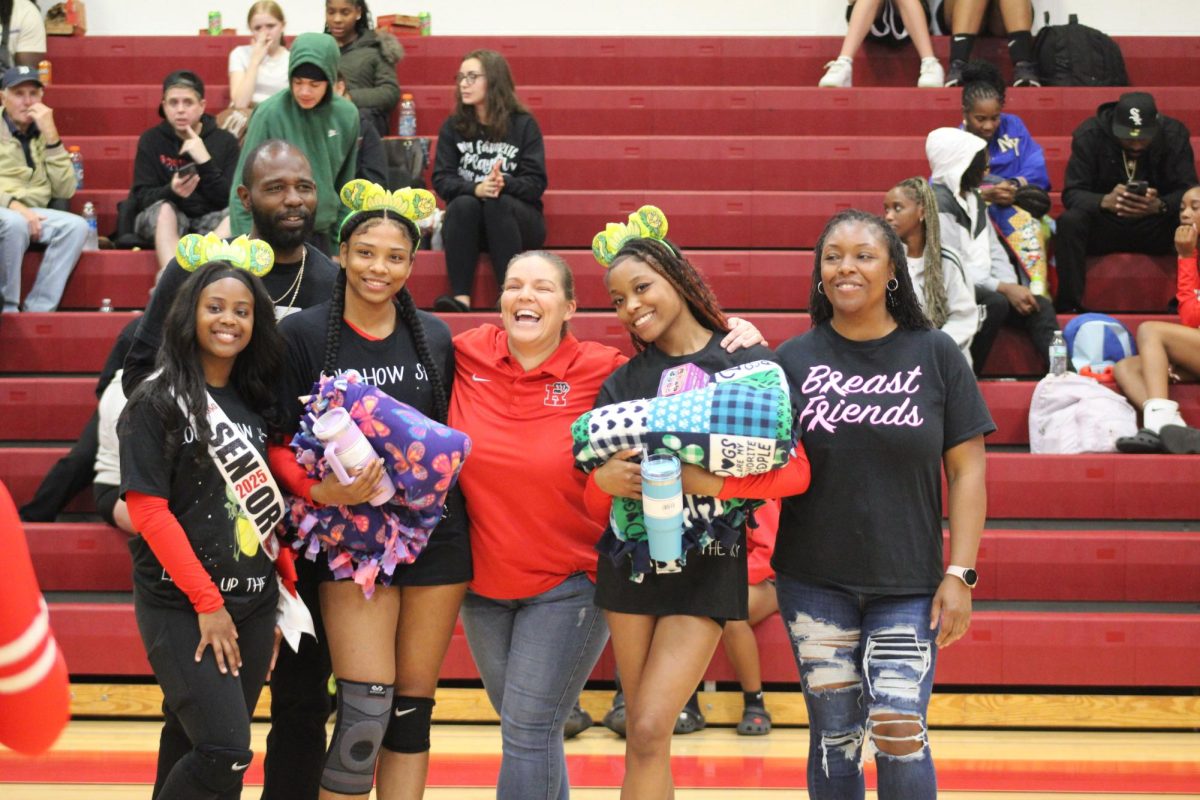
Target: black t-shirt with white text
point(157, 463)
point(875, 418)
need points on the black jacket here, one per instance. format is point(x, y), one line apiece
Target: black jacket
point(158, 159)
point(1096, 166)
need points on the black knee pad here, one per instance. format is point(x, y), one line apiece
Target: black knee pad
point(362, 719)
point(408, 729)
point(218, 769)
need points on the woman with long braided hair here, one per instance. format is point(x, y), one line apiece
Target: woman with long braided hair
point(666, 618)
point(386, 648)
point(936, 272)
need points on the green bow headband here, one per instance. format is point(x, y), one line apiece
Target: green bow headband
point(253, 255)
point(648, 222)
point(410, 204)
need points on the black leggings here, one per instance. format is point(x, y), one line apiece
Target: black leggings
point(503, 226)
point(205, 737)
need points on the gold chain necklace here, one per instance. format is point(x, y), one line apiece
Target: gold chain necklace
point(295, 287)
point(1130, 166)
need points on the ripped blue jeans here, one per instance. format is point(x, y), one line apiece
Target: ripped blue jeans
point(866, 667)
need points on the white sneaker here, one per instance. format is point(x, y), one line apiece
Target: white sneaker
point(932, 75)
point(838, 74)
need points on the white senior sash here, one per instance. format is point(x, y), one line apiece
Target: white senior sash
point(257, 495)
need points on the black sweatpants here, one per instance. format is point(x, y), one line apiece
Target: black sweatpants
point(69, 476)
point(503, 226)
point(1081, 233)
point(300, 706)
point(1040, 326)
point(205, 738)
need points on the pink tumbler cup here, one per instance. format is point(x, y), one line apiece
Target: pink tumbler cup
point(346, 448)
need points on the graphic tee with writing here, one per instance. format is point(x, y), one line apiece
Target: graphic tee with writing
point(158, 461)
point(875, 418)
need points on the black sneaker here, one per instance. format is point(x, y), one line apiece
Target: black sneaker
point(449, 303)
point(954, 76)
point(578, 721)
point(1025, 74)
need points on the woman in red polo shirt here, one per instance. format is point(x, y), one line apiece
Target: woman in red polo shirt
point(529, 615)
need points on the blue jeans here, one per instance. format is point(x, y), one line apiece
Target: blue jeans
point(866, 667)
point(62, 233)
point(534, 656)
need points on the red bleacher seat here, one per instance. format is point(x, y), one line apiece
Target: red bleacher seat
point(80, 556)
point(46, 409)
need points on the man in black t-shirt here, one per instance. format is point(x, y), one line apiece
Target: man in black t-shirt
point(278, 190)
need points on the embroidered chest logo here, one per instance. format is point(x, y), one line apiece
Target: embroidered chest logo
point(556, 393)
point(1009, 143)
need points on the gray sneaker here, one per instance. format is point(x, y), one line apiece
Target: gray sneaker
point(578, 721)
point(1025, 74)
point(954, 76)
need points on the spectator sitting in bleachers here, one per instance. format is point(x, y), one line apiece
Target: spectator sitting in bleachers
point(311, 116)
point(34, 167)
point(958, 161)
point(1167, 352)
point(256, 70)
point(183, 169)
point(24, 34)
point(1017, 185)
point(107, 483)
point(490, 169)
point(946, 297)
point(964, 20)
point(1129, 168)
point(879, 18)
point(368, 60)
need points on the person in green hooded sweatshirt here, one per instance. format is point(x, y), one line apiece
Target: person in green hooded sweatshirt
point(309, 115)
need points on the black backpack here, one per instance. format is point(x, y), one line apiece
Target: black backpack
point(1076, 55)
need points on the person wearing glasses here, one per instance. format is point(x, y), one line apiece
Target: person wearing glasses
point(490, 169)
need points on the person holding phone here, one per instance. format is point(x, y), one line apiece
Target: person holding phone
point(182, 172)
point(1129, 168)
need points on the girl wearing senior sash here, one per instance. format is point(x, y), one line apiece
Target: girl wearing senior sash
point(194, 475)
point(666, 617)
point(884, 401)
point(391, 582)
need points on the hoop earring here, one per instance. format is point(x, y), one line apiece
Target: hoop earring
point(820, 288)
point(893, 284)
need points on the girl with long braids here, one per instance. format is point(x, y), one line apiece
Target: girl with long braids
point(936, 272)
point(665, 623)
point(194, 475)
point(386, 648)
point(885, 402)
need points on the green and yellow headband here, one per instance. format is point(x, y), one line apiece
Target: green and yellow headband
point(253, 255)
point(648, 222)
point(410, 204)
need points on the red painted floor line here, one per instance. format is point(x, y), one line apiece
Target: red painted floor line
point(1169, 777)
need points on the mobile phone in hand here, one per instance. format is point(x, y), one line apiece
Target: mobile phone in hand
point(187, 170)
point(1137, 187)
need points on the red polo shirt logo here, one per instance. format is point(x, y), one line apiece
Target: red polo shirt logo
point(556, 393)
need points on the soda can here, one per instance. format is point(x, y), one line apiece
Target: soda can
point(44, 71)
point(214, 23)
point(423, 17)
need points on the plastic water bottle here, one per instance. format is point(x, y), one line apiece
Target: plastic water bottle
point(1058, 354)
point(106, 305)
point(346, 448)
point(77, 165)
point(92, 242)
point(408, 116)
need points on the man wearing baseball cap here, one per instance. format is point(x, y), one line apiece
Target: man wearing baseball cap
point(34, 167)
point(1129, 168)
point(182, 172)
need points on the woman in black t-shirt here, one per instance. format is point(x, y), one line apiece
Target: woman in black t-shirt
point(884, 401)
point(666, 626)
point(490, 169)
point(386, 649)
point(201, 577)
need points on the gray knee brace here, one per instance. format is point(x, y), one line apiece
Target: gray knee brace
point(408, 729)
point(218, 769)
point(362, 718)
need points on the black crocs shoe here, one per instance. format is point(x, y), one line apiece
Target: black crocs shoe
point(578, 721)
point(1180, 439)
point(614, 720)
point(1144, 442)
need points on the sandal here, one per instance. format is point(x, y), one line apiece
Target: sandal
point(1180, 439)
point(578, 721)
point(614, 720)
point(690, 720)
point(1143, 442)
point(756, 721)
